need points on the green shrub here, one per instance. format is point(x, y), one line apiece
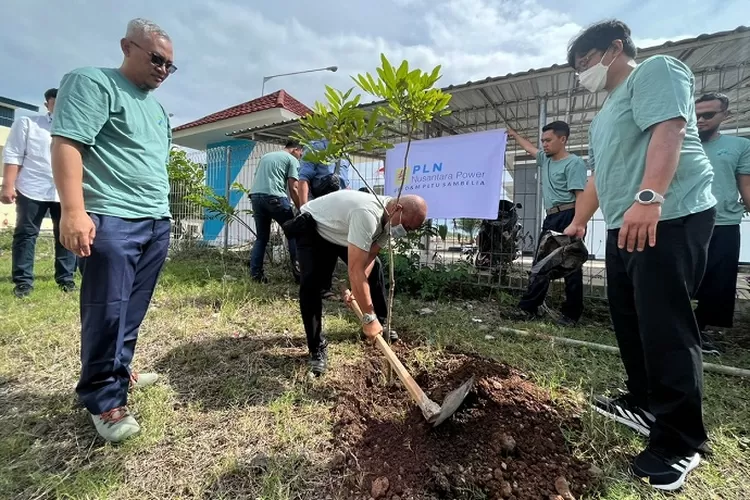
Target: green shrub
point(440, 281)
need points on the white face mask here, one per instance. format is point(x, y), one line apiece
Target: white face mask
point(398, 231)
point(595, 78)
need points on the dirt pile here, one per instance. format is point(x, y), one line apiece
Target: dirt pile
point(505, 442)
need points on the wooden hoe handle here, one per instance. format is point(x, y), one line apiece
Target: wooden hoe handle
point(429, 408)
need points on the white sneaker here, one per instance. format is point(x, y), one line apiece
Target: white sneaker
point(116, 424)
point(141, 380)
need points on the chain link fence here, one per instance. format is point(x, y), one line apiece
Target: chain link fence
point(479, 247)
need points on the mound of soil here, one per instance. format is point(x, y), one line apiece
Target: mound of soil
point(506, 441)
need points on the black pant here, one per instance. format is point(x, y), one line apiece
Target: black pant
point(718, 291)
point(534, 297)
point(29, 216)
point(266, 209)
point(317, 262)
point(649, 296)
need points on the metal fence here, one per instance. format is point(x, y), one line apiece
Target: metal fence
point(520, 180)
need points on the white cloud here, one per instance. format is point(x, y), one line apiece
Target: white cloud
point(223, 48)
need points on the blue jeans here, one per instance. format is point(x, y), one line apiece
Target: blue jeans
point(267, 208)
point(29, 216)
point(118, 281)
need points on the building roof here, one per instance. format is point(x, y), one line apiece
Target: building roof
point(279, 99)
point(12, 103)
point(720, 62)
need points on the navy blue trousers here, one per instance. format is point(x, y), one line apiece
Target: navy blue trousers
point(118, 282)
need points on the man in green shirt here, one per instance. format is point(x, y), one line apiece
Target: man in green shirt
point(563, 178)
point(730, 158)
point(110, 148)
point(649, 170)
point(277, 172)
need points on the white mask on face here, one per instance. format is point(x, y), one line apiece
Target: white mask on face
point(398, 231)
point(595, 78)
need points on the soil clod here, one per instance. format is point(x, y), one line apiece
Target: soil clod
point(380, 487)
point(482, 450)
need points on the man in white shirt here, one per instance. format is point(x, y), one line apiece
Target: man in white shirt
point(27, 182)
point(351, 226)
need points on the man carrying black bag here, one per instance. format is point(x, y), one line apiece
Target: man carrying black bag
point(351, 226)
point(317, 180)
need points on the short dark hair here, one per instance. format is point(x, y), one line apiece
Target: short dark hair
point(560, 128)
point(715, 96)
point(600, 36)
point(51, 93)
point(364, 190)
point(292, 144)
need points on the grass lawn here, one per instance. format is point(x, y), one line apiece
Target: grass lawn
point(234, 391)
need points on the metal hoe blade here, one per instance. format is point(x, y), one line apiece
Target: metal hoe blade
point(453, 401)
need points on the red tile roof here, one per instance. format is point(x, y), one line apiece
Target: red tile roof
point(280, 99)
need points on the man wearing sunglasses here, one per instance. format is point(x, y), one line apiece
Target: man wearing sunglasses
point(649, 171)
point(730, 158)
point(111, 141)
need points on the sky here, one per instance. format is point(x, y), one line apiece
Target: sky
point(223, 48)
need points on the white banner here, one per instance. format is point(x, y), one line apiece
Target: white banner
point(459, 176)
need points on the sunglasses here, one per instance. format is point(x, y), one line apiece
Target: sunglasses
point(158, 61)
point(707, 115)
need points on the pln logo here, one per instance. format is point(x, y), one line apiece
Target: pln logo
point(406, 174)
point(401, 173)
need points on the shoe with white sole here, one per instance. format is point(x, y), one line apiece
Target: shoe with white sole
point(622, 409)
point(116, 424)
point(662, 470)
point(708, 343)
point(141, 380)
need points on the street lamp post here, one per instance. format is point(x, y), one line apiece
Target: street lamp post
point(332, 69)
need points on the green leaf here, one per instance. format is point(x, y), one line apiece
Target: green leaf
point(403, 70)
point(333, 96)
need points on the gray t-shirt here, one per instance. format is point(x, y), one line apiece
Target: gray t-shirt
point(347, 216)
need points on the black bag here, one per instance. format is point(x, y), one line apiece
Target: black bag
point(558, 256)
point(328, 184)
point(302, 224)
point(325, 185)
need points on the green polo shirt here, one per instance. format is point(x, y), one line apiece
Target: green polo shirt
point(659, 89)
point(274, 169)
point(560, 178)
point(127, 137)
point(730, 157)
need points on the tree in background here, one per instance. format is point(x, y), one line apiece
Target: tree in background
point(410, 100)
point(469, 226)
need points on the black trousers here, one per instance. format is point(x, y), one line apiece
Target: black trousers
point(649, 298)
point(29, 216)
point(718, 290)
point(317, 261)
point(537, 291)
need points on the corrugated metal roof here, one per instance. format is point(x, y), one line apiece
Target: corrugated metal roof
point(12, 103)
point(720, 61)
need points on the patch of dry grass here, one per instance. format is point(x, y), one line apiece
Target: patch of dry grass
point(235, 416)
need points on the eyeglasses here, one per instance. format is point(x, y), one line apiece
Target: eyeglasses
point(583, 64)
point(158, 61)
point(707, 115)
